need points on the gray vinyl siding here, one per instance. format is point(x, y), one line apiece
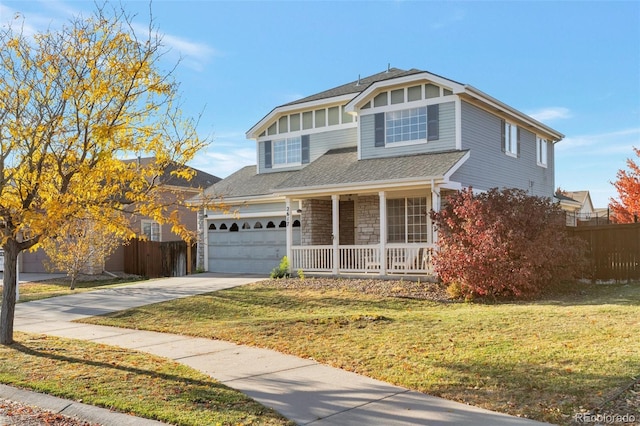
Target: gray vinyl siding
point(445, 142)
point(319, 143)
point(489, 167)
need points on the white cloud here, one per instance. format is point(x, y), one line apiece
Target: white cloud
point(194, 54)
point(226, 155)
point(616, 142)
point(550, 114)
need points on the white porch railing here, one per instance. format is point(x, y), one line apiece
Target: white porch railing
point(400, 258)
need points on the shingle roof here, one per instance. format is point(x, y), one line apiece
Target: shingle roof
point(247, 183)
point(357, 86)
point(200, 179)
point(341, 166)
point(336, 167)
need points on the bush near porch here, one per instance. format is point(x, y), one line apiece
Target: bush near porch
point(504, 244)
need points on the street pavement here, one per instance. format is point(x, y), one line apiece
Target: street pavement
point(302, 390)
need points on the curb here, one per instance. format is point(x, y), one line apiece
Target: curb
point(75, 409)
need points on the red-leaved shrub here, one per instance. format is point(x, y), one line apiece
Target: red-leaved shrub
point(504, 244)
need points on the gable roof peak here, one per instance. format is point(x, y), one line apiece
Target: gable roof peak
point(356, 86)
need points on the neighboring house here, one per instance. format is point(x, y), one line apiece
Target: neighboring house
point(579, 208)
point(173, 188)
point(345, 179)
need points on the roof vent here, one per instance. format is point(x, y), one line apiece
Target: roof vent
point(358, 83)
point(388, 67)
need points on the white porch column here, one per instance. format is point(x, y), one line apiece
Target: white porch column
point(383, 232)
point(435, 205)
point(289, 232)
point(335, 214)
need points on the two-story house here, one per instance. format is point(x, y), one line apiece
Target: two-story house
point(345, 179)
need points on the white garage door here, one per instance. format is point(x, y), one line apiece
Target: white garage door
point(253, 246)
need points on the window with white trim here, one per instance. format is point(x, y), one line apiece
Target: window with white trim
point(151, 229)
point(287, 151)
point(406, 125)
point(407, 220)
point(541, 149)
point(510, 141)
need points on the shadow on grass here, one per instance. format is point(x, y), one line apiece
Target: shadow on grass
point(111, 366)
point(551, 394)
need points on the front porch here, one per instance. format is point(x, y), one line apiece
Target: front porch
point(384, 233)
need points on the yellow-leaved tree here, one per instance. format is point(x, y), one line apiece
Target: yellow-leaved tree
point(82, 244)
point(74, 101)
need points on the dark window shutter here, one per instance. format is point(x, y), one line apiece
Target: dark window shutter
point(304, 145)
point(518, 143)
point(267, 154)
point(433, 122)
point(503, 136)
point(379, 129)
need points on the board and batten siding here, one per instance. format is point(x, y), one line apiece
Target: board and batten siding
point(319, 143)
point(489, 167)
point(445, 142)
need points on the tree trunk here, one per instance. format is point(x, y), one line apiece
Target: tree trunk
point(9, 284)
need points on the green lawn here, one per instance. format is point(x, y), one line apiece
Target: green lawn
point(127, 381)
point(545, 360)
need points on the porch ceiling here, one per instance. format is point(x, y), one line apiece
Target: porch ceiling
point(340, 168)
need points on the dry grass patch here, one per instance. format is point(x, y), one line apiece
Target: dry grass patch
point(31, 291)
point(127, 381)
point(545, 360)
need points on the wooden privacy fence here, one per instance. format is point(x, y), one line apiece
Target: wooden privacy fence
point(614, 250)
point(153, 259)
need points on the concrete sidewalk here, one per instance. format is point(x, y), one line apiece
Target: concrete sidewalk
point(301, 389)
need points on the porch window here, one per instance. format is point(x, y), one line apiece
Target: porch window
point(407, 220)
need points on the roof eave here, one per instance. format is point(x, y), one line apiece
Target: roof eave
point(352, 187)
point(490, 101)
point(360, 97)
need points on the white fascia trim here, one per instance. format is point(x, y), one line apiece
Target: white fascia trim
point(250, 215)
point(253, 132)
point(362, 96)
point(479, 95)
point(352, 187)
point(458, 122)
point(456, 166)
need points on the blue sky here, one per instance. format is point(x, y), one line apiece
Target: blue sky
point(573, 65)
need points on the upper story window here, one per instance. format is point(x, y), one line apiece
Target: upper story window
point(406, 125)
point(418, 124)
point(510, 138)
point(287, 151)
point(541, 150)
